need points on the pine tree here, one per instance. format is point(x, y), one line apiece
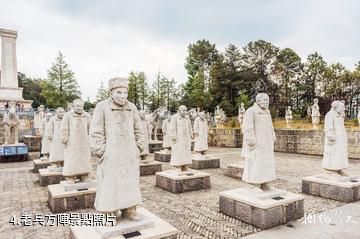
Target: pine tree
point(102, 93)
point(61, 86)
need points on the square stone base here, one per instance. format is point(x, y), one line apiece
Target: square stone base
point(204, 162)
point(176, 181)
point(158, 230)
point(46, 177)
point(155, 146)
point(39, 164)
point(235, 171)
point(162, 156)
point(149, 167)
point(344, 189)
point(262, 209)
point(61, 201)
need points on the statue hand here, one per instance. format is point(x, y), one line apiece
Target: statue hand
point(331, 139)
point(251, 142)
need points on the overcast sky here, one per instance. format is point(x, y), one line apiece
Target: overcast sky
point(102, 39)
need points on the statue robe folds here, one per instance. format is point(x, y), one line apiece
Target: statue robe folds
point(258, 146)
point(201, 135)
point(145, 129)
point(335, 147)
point(45, 141)
point(166, 136)
point(57, 147)
point(180, 130)
point(115, 136)
point(74, 132)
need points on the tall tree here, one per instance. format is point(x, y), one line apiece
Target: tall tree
point(61, 86)
point(138, 89)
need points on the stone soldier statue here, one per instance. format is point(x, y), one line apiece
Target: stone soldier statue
point(38, 118)
point(45, 141)
point(315, 113)
point(180, 133)
point(115, 139)
point(288, 116)
point(201, 133)
point(74, 133)
point(165, 131)
point(258, 144)
point(335, 156)
point(145, 128)
point(56, 145)
point(241, 113)
point(11, 125)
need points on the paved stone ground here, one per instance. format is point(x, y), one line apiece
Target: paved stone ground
point(195, 214)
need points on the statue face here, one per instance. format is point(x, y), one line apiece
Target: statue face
point(202, 115)
point(48, 116)
point(340, 109)
point(119, 95)
point(41, 108)
point(263, 102)
point(78, 107)
point(142, 115)
point(182, 111)
point(60, 113)
point(316, 101)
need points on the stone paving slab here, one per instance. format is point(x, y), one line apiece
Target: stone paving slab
point(195, 214)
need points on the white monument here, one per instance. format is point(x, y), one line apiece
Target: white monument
point(201, 134)
point(11, 125)
point(335, 156)
point(259, 170)
point(315, 114)
point(288, 116)
point(45, 142)
point(9, 90)
point(180, 134)
point(57, 147)
point(241, 113)
point(258, 144)
point(74, 134)
point(38, 119)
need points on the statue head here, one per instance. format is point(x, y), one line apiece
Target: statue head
point(289, 107)
point(182, 110)
point(316, 101)
point(338, 106)
point(142, 114)
point(262, 99)
point(78, 105)
point(41, 108)
point(48, 116)
point(119, 90)
point(242, 105)
point(60, 112)
point(202, 115)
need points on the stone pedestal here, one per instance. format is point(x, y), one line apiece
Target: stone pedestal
point(149, 167)
point(235, 171)
point(162, 156)
point(262, 209)
point(176, 181)
point(33, 142)
point(344, 189)
point(48, 176)
point(204, 162)
point(149, 227)
point(39, 164)
point(65, 197)
point(155, 146)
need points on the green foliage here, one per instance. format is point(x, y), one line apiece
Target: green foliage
point(88, 105)
point(61, 86)
point(32, 89)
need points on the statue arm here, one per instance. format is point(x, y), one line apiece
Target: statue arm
point(329, 128)
point(249, 129)
point(172, 129)
point(196, 126)
point(139, 134)
point(97, 131)
point(50, 129)
point(64, 129)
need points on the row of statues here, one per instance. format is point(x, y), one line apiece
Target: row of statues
point(259, 137)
